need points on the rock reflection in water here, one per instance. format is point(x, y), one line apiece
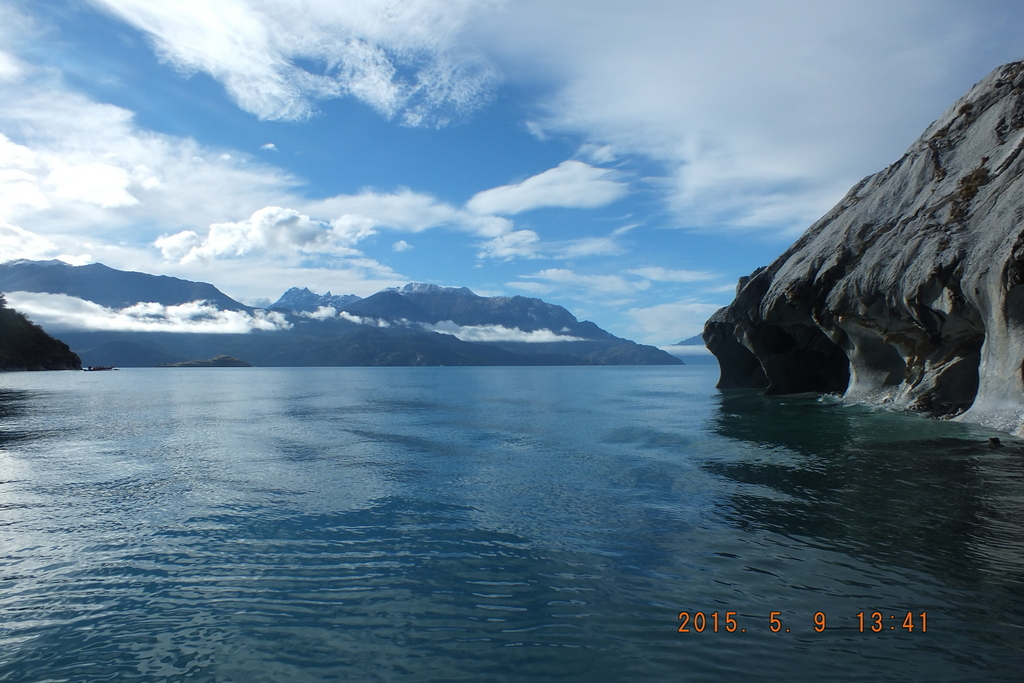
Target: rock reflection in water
point(931, 496)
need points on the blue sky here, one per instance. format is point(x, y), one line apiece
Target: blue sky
point(628, 161)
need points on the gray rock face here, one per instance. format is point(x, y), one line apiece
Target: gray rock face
point(911, 290)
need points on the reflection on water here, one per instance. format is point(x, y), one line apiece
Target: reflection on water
point(931, 495)
point(492, 524)
point(12, 406)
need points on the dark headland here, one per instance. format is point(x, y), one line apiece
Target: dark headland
point(25, 346)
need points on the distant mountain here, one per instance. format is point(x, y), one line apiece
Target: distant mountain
point(695, 340)
point(107, 286)
point(218, 362)
point(24, 346)
point(692, 351)
point(392, 306)
point(365, 346)
point(463, 307)
point(122, 349)
point(303, 300)
point(419, 324)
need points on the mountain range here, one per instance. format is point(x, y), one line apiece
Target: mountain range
point(418, 324)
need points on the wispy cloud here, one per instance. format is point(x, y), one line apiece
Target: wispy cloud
point(571, 184)
point(599, 154)
point(671, 322)
point(597, 284)
point(63, 312)
point(659, 274)
point(276, 58)
point(586, 246)
point(763, 114)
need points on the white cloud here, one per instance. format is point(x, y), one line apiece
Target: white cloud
point(518, 243)
point(586, 246)
point(405, 210)
point(659, 274)
point(95, 183)
point(571, 184)
point(668, 323)
point(18, 243)
point(400, 246)
point(361, 320)
point(11, 68)
point(401, 58)
point(720, 289)
point(270, 147)
point(321, 313)
point(19, 185)
point(63, 312)
point(537, 288)
point(270, 229)
point(599, 284)
point(763, 114)
point(72, 166)
point(536, 130)
point(497, 333)
point(409, 211)
point(599, 154)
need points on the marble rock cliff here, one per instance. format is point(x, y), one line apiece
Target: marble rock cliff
point(910, 291)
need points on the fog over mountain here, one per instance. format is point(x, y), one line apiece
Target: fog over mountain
point(107, 286)
point(113, 317)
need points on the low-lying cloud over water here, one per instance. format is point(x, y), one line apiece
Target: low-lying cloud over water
point(62, 312)
point(57, 312)
point(497, 333)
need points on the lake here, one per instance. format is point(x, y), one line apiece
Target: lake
point(496, 524)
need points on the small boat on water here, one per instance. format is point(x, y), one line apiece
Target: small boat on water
point(95, 368)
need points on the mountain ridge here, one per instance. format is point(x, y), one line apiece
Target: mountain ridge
point(108, 286)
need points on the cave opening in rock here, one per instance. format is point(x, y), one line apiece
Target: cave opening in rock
point(800, 359)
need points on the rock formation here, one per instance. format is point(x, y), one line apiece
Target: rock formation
point(911, 290)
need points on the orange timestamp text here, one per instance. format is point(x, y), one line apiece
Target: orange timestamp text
point(866, 622)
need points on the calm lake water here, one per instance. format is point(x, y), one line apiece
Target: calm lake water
point(494, 524)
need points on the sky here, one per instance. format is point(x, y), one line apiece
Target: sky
point(628, 161)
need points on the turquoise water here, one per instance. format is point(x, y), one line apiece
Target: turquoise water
point(494, 524)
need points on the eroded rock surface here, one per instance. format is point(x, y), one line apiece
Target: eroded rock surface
point(909, 291)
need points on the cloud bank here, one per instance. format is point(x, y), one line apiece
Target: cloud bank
point(497, 333)
point(63, 312)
